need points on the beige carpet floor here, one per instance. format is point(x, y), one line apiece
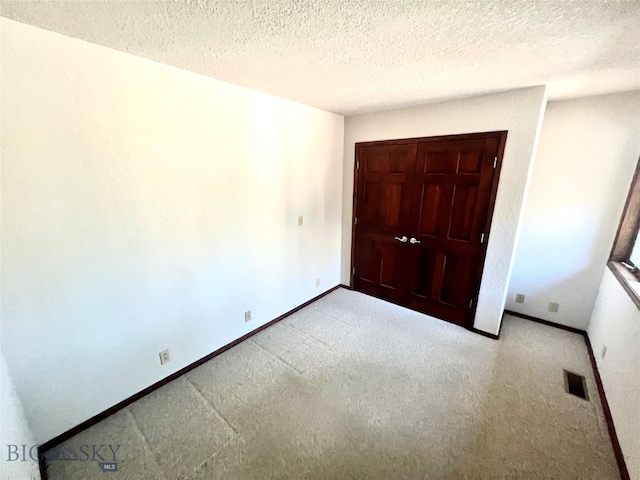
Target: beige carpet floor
point(352, 387)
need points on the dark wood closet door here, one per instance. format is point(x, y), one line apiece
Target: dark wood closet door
point(452, 189)
point(422, 219)
point(385, 193)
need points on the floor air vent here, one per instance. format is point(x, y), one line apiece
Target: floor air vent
point(575, 385)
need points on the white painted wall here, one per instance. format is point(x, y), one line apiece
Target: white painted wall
point(587, 155)
point(14, 430)
point(616, 324)
point(520, 112)
point(143, 208)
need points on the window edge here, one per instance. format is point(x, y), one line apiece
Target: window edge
point(627, 280)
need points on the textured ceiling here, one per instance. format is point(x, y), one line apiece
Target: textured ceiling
point(350, 56)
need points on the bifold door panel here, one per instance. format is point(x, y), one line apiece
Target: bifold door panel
point(422, 211)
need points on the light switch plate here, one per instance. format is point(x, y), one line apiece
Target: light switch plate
point(164, 356)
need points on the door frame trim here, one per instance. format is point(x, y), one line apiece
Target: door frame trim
point(502, 140)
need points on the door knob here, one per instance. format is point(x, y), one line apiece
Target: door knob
point(403, 239)
point(413, 240)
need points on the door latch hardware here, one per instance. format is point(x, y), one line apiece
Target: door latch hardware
point(413, 240)
point(403, 239)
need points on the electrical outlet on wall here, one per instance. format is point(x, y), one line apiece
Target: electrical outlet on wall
point(519, 298)
point(554, 307)
point(300, 221)
point(247, 316)
point(164, 356)
point(603, 352)
point(317, 282)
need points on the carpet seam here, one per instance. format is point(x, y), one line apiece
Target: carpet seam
point(211, 405)
point(276, 356)
point(333, 318)
point(146, 440)
point(314, 339)
point(217, 452)
point(307, 337)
